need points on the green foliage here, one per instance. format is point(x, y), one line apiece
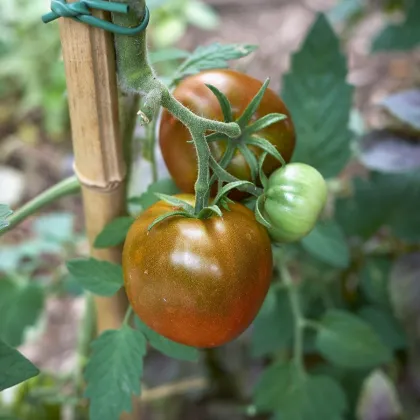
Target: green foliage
point(327, 243)
point(114, 233)
point(20, 307)
point(55, 227)
point(404, 36)
point(213, 56)
point(347, 341)
point(114, 371)
point(296, 396)
point(374, 280)
point(4, 213)
point(312, 90)
point(148, 198)
point(385, 325)
point(100, 277)
point(273, 328)
point(166, 346)
point(14, 367)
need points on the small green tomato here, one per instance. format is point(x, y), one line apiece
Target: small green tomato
point(294, 198)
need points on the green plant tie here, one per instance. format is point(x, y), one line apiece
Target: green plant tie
point(81, 11)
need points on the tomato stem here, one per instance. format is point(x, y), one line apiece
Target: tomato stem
point(299, 318)
point(63, 188)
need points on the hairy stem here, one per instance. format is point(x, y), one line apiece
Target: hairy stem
point(66, 187)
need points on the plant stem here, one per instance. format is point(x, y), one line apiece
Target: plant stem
point(299, 319)
point(66, 187)
point(128, 315)
point(151, 141)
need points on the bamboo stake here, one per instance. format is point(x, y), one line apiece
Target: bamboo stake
point(89, 60)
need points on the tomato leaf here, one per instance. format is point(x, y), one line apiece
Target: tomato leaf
point(347, 341)
point(4, 213)
point(164, 345)
point(20, 308)
point(113, 372)
point(402, 37)
point(14, 367)
point(263, 122)
point(99, 277)
point(252, 107)
point(114, 233)
point(385, 325)
point(405, 106)
point(148, 198)
point(213, 56)
point(274, 325)
point(168, 54)
point(327, 243)
point(319, 98)
point(294, 396)
point(224, 103)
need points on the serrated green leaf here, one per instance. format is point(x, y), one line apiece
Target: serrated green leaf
point(168, 54)
point(99, 277)
point(14, 367)
point(347, 341)
point(20, 308)
point(319, 99)
point(5, 212)
point(327, 243)
point(212, 56)
point(114, 233)
point(114, 371)
point(273, 327)
point(404, 36)
point(163, 186)
point(294, 396)
point(374, 280)
point(385, 325)
point(166, 346)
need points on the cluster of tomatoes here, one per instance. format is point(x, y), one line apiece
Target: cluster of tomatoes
point(201, 282)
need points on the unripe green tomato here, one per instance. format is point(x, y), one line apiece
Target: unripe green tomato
point(294, 198)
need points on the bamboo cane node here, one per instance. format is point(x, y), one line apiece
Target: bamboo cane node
point(103, 185)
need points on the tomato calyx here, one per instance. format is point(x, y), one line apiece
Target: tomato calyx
point(249, 133)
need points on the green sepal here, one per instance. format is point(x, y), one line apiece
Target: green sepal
point(250, 110)
point(228, 187)
point(251, 160)
point(266, 146)
point(225, 160)
point(264, 122)
point(169, 214)
point(263, 176)
point(208, 211)
point(224, 103)
point(258, 214)
point(175, 202)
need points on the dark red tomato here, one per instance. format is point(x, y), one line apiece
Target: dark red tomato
point(180, 156)
point(197, 282)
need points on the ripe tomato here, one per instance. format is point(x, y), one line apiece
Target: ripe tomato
point(180, 156)
point(294, 198)
point(197, 282)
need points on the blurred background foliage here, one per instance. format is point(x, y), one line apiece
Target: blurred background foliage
point(369, 238)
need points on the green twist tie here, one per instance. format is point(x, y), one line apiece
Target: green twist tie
point(81, 12)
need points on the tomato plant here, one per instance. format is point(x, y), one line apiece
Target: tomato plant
point(294, 198)
point(197, 282)
point(179, 154)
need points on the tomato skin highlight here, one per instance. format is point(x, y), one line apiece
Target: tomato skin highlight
point(294, 199)
point(197, 282)
point(180, 156)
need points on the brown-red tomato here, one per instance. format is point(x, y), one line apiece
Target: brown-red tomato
point(197, 282)
point(180, 156)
